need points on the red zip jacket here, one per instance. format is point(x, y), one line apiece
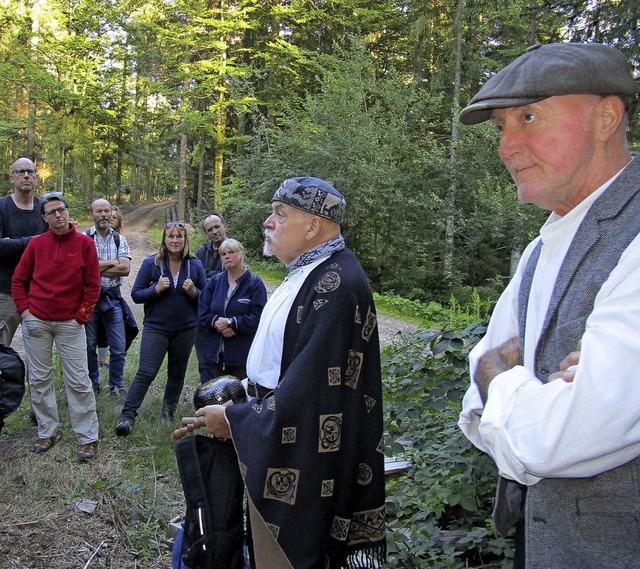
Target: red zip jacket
point(58, 277)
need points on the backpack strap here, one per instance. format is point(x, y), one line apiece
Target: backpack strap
point(196, 498)
point(213, 489)
point(116, 238)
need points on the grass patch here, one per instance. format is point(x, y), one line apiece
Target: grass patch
point(433, 314)
point(134, 485)
point(269, 271)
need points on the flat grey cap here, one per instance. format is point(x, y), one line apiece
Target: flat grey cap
point(550, 70)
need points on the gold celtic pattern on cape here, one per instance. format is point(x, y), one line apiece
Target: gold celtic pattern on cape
point(330, 432)
point(282, 484)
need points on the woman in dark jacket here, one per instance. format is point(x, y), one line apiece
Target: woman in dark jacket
point(229, 310)
point(168, 284)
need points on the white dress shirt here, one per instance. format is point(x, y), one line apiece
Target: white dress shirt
point(265, 355)
point(563, 430)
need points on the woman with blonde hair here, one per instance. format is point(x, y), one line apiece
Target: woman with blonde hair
point(168, 284)
point(229, 310)
point(116, 219)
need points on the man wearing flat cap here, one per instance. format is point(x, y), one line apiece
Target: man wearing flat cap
point(309, 441)
point(556, 380)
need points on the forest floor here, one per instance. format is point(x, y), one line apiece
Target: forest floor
point(114, 512)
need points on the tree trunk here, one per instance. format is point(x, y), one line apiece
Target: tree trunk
point(199, 197)
point(453, 158)
point(182, 183)
point(218, 163)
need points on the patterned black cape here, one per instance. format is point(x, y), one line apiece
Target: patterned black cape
point(312, 453)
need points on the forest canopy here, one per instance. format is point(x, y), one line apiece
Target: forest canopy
point(213, 103)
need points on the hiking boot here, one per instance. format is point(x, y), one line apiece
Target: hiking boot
point(88, 451)
point(167, 414)
point(43, 445)
point(124, 427)
point(96, 389)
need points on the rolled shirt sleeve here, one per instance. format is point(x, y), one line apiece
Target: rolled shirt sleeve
point(537, 430)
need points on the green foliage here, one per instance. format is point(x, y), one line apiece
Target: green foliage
point(433, 313)
point(102, 94)
point(268, 270)
point(438, 511)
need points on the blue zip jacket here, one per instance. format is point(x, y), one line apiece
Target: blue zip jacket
point(172, 309)
point(244, 309)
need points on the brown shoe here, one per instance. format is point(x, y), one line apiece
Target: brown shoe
point(43, 445)
point(88, 451)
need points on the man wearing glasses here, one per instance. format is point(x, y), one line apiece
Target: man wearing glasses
point(55, 287)
point(20, 219)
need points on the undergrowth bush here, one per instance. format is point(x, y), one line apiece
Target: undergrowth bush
point(451, 317)
point(438, 510)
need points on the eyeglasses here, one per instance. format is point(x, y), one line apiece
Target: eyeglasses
point(53, 212)
point(174, 223)
point(52, 196)
point(29, 171)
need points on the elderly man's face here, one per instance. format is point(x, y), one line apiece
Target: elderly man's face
point(285, 232)
point(548, 148)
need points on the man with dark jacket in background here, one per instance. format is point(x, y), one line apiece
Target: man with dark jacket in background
point(215, 229)
point(20, 219)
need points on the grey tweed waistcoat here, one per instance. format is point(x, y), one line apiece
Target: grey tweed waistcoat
point(594, 522)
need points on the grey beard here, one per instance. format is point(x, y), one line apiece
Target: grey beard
point(266, 251)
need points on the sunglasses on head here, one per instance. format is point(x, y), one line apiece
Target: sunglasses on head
point(52, 196)
point(174, 223)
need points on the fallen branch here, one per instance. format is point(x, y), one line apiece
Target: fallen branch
point(93, 555)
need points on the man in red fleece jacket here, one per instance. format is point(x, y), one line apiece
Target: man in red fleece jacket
point(55, 287)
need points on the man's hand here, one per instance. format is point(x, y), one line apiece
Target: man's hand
point(494, 362)
point(106, 265)
point(215, 421)
point(114, 268)
point(567, 366)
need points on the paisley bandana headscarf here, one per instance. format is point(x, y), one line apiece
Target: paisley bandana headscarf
point(313, 195)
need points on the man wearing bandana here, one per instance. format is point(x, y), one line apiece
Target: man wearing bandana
point(309, 441)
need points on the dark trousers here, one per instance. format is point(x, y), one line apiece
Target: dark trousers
point(108, 314)
point(215, 370)
point(154, 346)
